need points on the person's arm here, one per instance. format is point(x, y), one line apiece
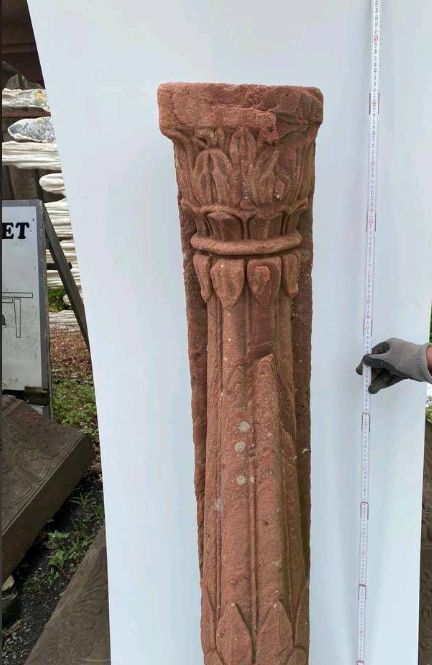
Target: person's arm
point(394, 360)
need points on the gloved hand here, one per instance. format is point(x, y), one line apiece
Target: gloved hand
point(394, 360)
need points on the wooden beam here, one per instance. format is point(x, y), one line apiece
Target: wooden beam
point(62, 266)
point(24, 113)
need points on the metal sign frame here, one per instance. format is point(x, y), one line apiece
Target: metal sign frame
point(38, 395)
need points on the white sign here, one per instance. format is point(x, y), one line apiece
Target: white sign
point(24, 297)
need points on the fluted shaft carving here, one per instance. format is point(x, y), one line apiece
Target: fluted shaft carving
point(245, 164)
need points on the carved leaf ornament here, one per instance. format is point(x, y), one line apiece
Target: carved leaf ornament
point(244, 172)
point(231, 642)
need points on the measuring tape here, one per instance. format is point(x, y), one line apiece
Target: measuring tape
point(374, 97)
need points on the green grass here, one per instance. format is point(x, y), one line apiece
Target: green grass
point(41, 582)
point(68, 548)
point(74, 404)
point(55, 299)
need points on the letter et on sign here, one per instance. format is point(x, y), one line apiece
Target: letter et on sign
point(25, 345)
point(12, 229)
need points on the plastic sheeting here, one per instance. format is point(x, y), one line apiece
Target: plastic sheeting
point(53, 182)
point(29, 155)
point(33, 129)
point(19, 99)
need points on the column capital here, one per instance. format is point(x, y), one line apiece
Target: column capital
point(244, 159)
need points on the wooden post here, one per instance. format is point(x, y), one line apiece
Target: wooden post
point(66, 277)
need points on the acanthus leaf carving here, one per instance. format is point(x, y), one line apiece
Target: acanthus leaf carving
point(264, 277)
point(242, 152)
point(290, 272)
point(213, 178)
point(298, 657)
point(275, 637)
point(248, 173)
point(263, 176)
point(228, 280)
point(202, 177)
point(202, 264)
point(233, 639)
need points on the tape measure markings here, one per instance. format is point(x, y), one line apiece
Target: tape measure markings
point(374, 100)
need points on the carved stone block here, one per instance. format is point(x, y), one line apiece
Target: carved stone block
point(42, 463)
point(244, 159)
point(78, 631)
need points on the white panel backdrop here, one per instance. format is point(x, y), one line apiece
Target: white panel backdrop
point(102, 62)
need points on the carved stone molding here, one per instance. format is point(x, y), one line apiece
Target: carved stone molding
point(245, 169)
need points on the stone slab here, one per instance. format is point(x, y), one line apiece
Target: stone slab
point(42, 463)
point(78, 631)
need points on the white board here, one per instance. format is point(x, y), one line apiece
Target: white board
point(121, 188)
point(24, 297)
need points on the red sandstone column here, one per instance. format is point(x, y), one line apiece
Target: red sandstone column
point(245, 164)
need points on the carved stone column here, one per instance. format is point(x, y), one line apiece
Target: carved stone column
point(245, 169)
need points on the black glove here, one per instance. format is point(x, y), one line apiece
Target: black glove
point(395, 360)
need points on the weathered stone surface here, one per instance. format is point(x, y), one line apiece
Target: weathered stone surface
point(42, 463)
point(245, 169)
point(78, 631)
point(425, 644)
